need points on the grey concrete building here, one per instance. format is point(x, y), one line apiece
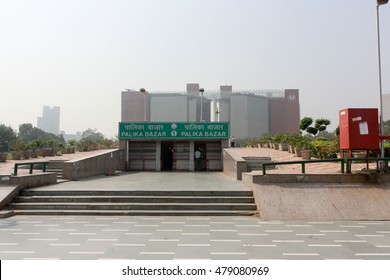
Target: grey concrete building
point(248, 112)
point(386, 106)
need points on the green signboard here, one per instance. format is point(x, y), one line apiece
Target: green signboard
point(177, 130)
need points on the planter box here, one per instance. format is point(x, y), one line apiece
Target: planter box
point(3, 157)
point(291, 149)
point(359, 154)
point(298, 152)
point(26, 154)
point(16, 155)
point(34, 154)
point(46, 152)
point(306, 154)
point(283, 147)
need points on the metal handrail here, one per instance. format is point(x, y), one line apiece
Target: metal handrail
point(303, 162)
point(349, 161)
point(31, 164)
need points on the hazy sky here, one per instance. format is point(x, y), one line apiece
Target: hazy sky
point(80, 54)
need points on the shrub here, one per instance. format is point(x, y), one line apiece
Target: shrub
point(324, 148)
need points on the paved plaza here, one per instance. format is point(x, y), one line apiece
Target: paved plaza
point(181, 237)
point(142, 238)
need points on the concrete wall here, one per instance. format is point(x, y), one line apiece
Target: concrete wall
point(105, 163)
point(133, 106)
point(233, 165)
point(323, 202)
point(284, 113)
point(249, 178)
point(30, 180)
point(166, 108)
point(321, 197)
point(248, 116)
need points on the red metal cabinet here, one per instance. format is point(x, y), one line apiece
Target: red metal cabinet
point(359, 129)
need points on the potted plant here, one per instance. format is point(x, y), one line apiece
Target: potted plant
point(303, 148)
point(72, 146)
point(280, 139)
point(306, 154)
point(32, 147)
point(18, 147)
point(3, 156)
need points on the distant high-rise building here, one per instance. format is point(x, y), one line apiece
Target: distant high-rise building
point(50, 120)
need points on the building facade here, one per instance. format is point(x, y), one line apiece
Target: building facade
point(50, 120)
point(188, 131)
point(249, 113)
point(386, 106)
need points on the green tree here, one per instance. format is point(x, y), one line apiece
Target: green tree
point(321, 124)
point(7, 137)
point(92, 135)
point(28, 133)
point(305, 125)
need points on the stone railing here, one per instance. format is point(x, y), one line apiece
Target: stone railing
point(233, 164)
point(106, 162)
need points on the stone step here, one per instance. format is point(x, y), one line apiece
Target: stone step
point(136, 202)
point(134, 206)
point(256, 163)
point(135, 199)
point(134, 213)
point(31, 192)
point(55, 166)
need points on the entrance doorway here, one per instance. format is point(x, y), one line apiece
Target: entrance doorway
point(200, 156)
point(167, 156)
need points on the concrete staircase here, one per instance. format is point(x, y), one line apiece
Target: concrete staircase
point(186, 203)
point(55, 166)
point(256, 163)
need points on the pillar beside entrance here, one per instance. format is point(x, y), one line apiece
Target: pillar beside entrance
point(192, 152)
point(158, 155)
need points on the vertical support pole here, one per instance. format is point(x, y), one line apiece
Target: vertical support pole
point(192, 152)
point(158, 155)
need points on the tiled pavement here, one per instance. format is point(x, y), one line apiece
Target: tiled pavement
point(41, 237)
point(92, 237)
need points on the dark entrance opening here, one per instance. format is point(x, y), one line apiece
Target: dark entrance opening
point(200, 156)
point(167, 156)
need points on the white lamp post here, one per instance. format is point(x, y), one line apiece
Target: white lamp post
point(218, 112)
point(145, 96)
point(379, 3)
point(201, 90)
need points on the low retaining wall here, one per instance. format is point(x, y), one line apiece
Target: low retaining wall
point(7, 194)
point(321, 197)
point(233, 164)
point(105, 163)
point(249, 178)
point(30, 180)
